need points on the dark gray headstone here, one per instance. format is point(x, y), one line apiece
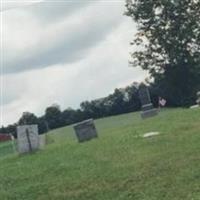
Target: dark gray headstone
point(27, 138)
point(85, 130)
point(147, 107)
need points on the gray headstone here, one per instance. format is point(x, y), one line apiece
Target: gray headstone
point(147, 107)
point(85, 130)
point(27, 138)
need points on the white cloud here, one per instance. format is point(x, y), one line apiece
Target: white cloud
point(12, 4)
point(99, 64)
point(67, 40)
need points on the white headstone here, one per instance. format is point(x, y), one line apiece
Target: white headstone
point(27, 138)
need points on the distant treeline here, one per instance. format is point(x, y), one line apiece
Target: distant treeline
point(123, 100)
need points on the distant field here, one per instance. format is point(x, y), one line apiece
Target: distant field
point(119, 165)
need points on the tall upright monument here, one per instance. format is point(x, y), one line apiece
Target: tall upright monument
point(147, 107)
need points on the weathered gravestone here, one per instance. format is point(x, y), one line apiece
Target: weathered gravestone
point(85, 130)
point(27, 138)
point(147, 107)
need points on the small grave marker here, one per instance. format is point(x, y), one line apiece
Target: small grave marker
point(85, 130)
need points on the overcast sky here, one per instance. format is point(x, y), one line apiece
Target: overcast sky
point(62, 52)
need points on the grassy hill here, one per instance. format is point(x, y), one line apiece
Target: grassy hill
point(119, 165)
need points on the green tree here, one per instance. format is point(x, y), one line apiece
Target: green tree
point(118, 101)
point(27, 119)
point(53, 116)
point(169, 45)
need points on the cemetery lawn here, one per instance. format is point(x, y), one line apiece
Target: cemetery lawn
point(119, 165)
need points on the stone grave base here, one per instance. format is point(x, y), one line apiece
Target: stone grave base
point(149, 113)
point(147, 107)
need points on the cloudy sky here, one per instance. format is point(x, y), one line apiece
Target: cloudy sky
point(62, 52)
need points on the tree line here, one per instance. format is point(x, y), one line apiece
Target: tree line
point(123, 100)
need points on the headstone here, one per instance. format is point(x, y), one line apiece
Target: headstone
point(147, 107)
point(85, 130)
point(27, 138)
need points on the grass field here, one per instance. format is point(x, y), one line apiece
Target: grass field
point(119, 165)
point(6, 148)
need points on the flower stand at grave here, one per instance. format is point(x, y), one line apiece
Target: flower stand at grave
point(147, 107)
point(27, 138)
point(85, 130)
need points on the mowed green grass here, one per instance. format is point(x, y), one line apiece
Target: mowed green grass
point(6, 148)
point(119, 165)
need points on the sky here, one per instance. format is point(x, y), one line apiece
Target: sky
point(62, 52)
